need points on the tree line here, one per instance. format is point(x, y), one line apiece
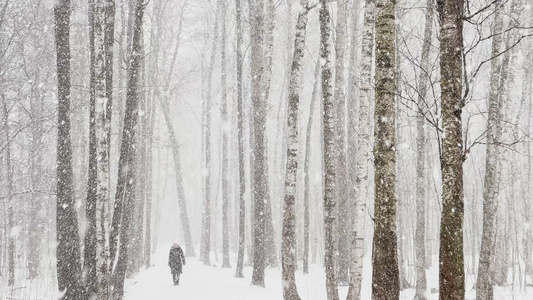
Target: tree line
point(318, 134)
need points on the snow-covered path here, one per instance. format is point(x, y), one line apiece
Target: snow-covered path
point(199, 282)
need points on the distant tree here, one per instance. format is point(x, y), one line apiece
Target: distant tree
point(225, 147)
point(152, 76)
point(165, 105)
point(137, 234)
point(329, 151)
point(9, 192)
point(307, 188)
point(268, 51)
point(420, 233)
point(240, 137)
point(505, 223)
point(165, 109)
point(260, 180)
point(484, 286)
point(205, 242)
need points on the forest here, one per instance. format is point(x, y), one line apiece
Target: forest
point(294, 149)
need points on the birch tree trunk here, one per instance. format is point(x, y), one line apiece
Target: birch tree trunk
point(164, 102)
point(307, 192)
point(68, 248)
point(484, 286)
point(136, 234)
point(363, 153)
point(125, 146)
point(288, 247)
point(240, 137)
point(341, 176)
point(126, 185)
point(89, 261)
point(501, 263)
point(225, 147)
point(420, 233)
point(149, 183)
point(260, 180)
point(451, 271)
point(268, 52)
point(527, 97)
point(179, 179)
point(351, 138)
point(385, 274)
point(329, 151)
point(205, 248)
point(155, 41)
point(103, 138)
point(37, 182)
point(9, 198)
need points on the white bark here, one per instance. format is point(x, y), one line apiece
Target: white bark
point(341, 176)
point(385, 274)
point(484, 286)
point(103, 136)
point(420, 233)
point(240, 137)
point(365, 147)
point(288, 248)
point(329, 151)
point(225, 147)
point(260, 178)
point(451, 257)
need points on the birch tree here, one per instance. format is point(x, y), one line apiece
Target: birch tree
point(329, 151)
point(37, 183)
point(103, 139)
point(288, 244)
point(240, 137)
point(260, 180)
point(179, 178)
point(9, 197)
point(307, 195)
point(68, 248)
point(420, 233)
point(89, 259)
point(385, 274)
point(451, 271)
point(484, 287)
point(341, 175)
point(268, 52)
point(225, 148)
point(126, 184)
point(205, 241)
point(504, 213)
point(363, 153)
point(165, 109)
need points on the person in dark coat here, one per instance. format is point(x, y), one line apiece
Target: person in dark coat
point(176, 260)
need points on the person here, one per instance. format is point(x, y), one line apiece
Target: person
point(176, 260)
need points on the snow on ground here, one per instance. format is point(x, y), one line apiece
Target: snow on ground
point(200, 282)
